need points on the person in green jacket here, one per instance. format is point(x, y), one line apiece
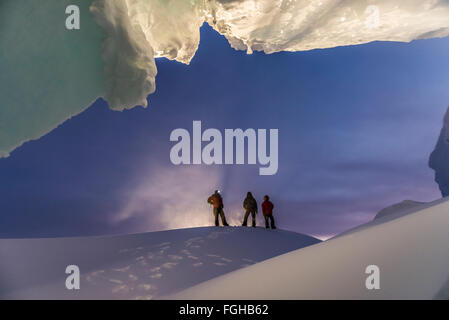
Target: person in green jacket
point(250, 206)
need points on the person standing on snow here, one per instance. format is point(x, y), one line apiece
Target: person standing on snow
point(250, 206)
point(217, 202)
point(267, 209)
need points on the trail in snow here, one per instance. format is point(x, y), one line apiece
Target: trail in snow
point(138, 266)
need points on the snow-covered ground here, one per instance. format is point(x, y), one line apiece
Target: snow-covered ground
point(137, 266)
point(409, 242)
point(410, 247)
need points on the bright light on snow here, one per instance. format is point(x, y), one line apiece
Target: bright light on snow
point(409, 247)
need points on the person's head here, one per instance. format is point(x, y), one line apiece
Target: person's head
point(249, 195)
point(266, 198)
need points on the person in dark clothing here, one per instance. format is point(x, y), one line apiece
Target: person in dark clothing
point(217, 202)
point(250, 206)
point(267, 209)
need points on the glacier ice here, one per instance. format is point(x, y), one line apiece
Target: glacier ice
point(129, 65)
point(50, 74)
point(47, 73)
point(439, 159)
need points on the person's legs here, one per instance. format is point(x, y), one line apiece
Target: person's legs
point(223, 218)
point(253, 215)
point(216, 216)
point(245, 219)
point(266, 221)
point(272, 222)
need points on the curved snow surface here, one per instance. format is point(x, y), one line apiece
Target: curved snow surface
point(138, 266)
point(400, 209)
point(411, 251)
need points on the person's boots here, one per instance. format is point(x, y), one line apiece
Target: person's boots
point(225, 224)
point(273, 226)
point(254, 223)
point(245, 223)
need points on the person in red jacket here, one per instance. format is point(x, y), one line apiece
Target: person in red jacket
point(217, 202)
point(267, 209)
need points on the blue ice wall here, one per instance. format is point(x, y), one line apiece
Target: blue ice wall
point(47, 73)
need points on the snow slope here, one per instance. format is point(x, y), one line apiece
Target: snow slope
point(408, 242)
point(138, 266)
point(400, 209)
point(411, 251)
